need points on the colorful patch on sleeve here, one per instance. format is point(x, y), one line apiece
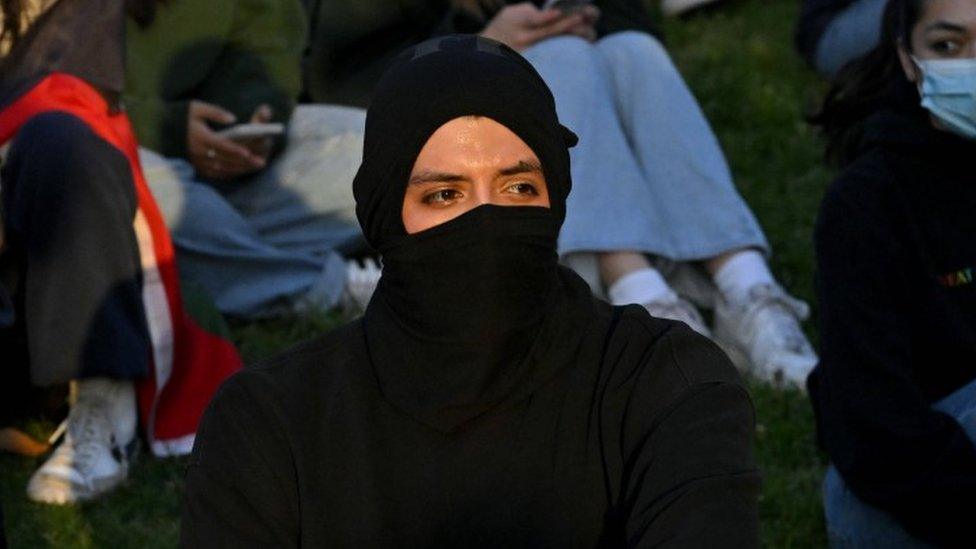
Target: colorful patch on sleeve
point(958, 278)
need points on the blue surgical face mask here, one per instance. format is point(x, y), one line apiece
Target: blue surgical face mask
point(948, 91)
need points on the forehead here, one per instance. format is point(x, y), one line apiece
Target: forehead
point(961, 13)
point(470, 139)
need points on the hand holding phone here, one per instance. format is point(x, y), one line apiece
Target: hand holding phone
point(566, 6)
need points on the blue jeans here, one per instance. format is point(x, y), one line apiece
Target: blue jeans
point(273, 242)
point(852, 523)
point(852, 33)
point(648, 173)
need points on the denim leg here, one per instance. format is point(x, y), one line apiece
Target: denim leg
point(962, 406)
point(678, 154)
point(222, 253)
point(607, 184)
point(853, 523)
point(851, 34)
point(303, 202)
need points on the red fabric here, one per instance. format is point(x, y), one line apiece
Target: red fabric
point(171, 410)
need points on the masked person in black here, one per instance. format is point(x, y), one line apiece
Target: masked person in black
point(485, 398)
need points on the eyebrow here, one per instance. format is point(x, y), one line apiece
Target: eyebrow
point(524, 166)
point(428, 176)
point(945, 26)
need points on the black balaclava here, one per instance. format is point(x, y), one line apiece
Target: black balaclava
point(475, 312)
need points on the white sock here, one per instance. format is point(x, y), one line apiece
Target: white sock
point(740, 273)
point(641, 286)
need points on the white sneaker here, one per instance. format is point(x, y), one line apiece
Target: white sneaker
point(673, 307)
point(91, 459)
point(765, 328)
point(361, 281)
point(675, 8)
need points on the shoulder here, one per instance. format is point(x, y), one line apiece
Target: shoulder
point(668, 359)
point(671, 380)
point(864, 181)
point(862, 201)
point(319, 366)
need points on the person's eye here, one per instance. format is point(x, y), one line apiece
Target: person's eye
point(441, 197)
point(523, 188)
point(945, 47)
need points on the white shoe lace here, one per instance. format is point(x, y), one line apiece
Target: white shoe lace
point(87, 430)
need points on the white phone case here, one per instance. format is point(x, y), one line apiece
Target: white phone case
point(252, 131)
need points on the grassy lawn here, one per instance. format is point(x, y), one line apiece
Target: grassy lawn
point(740, 63)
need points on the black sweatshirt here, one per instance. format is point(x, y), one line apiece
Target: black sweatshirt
point(896, 251)
point(648, 446)
point(485, 398)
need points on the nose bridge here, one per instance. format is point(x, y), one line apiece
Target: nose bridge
point(483, 192)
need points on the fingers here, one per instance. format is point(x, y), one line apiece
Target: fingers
point(202, 110)
point(584, 31)
point(590, 13)
point(229, 152)
point(262, 114)
point(259, 147)
point(217, 157)
point(536, 18)
point(562, 25)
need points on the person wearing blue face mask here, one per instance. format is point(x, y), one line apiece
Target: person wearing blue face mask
point(895, 390)
point(948, 90)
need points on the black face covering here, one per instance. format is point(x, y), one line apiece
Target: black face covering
point(475, 312)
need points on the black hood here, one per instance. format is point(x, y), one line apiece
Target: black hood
point(474, 312)
point(433, 83)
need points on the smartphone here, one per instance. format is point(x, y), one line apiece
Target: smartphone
point(566, 6)
point(244, 132)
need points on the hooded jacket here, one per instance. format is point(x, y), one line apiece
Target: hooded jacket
point(896, 282)
point(486, 398)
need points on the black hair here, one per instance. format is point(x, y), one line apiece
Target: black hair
point(864, 85)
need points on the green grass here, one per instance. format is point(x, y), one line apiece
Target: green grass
point(740, 63)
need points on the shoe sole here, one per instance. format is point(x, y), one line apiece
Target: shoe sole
point(51, 496)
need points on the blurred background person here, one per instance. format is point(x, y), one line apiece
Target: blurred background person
point(832, 33)
point(86, 256)
point(895, 391)
point(352, 43)
point(261, 224)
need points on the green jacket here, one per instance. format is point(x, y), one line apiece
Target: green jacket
point(236, 54)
